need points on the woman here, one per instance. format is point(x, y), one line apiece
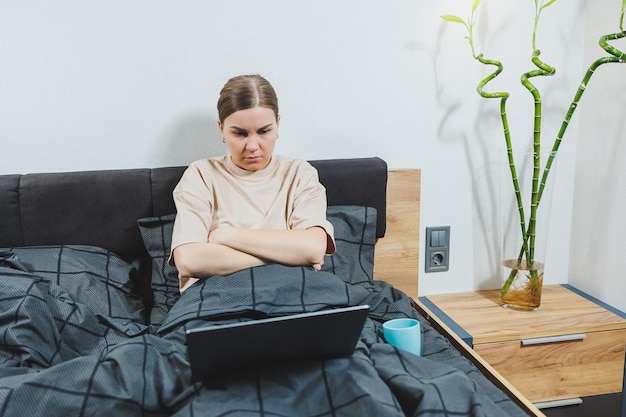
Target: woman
point(249, 207)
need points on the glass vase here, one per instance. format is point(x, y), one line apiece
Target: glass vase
point(524, 236)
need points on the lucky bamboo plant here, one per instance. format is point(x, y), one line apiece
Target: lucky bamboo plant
point(527, 247)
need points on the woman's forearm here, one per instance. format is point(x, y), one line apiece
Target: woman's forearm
point(207, 259)
point(232, 249)
point(289, 247)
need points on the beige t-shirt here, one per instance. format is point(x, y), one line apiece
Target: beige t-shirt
point(215, 192)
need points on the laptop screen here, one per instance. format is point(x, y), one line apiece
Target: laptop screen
point(214, 350)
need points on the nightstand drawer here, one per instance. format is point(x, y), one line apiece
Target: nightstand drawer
point(546, 371)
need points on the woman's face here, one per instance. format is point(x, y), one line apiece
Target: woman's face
point(250, 136)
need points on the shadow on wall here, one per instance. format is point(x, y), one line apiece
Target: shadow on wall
point(191, 138)
point(481, 167)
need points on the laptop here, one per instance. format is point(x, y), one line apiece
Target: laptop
point(220, 349)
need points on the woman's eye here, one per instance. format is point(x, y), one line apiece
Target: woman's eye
point(241, 134)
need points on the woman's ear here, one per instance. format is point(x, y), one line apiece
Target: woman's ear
point(220, 127)
point(277, 120)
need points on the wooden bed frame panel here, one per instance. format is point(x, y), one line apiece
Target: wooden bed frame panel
point(397, 254)
point(397, 262)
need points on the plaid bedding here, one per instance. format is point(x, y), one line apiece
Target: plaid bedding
point(60, 358)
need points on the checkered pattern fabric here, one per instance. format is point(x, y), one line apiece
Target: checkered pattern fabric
point(41, 326)
point(60, 359)
point(355, 237)
point(92, 276)
point(156, 233)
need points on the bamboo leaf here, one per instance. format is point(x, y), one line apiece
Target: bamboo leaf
point(452, 18)
point(550, 3)
point(475, 5)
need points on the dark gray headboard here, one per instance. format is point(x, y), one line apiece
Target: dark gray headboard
point(101, 208)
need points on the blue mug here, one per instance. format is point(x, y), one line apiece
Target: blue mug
point(404, 334)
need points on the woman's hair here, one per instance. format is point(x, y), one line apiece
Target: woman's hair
point(246, 92)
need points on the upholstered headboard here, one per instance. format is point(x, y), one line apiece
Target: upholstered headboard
point(101, 208)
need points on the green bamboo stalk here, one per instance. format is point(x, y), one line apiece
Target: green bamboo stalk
point(543, 70)
point(616, 56)
point(503, 96)
point(529, 236)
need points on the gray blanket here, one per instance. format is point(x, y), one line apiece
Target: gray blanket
point(60, 358)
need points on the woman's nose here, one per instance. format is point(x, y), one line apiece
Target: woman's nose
point(253, 143)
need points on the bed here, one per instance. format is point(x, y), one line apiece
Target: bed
point(92, 323)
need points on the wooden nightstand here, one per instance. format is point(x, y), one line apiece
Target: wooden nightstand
point(572, 347)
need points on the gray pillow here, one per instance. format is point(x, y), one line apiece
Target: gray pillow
point(92, 276)
point(156, 233)
point(355, 237)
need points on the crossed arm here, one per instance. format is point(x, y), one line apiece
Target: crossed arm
point(230, 249)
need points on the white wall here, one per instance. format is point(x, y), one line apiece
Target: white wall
point(599, 221)
point(87, 84)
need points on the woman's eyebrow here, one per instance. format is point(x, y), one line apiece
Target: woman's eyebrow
point(243, 130)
